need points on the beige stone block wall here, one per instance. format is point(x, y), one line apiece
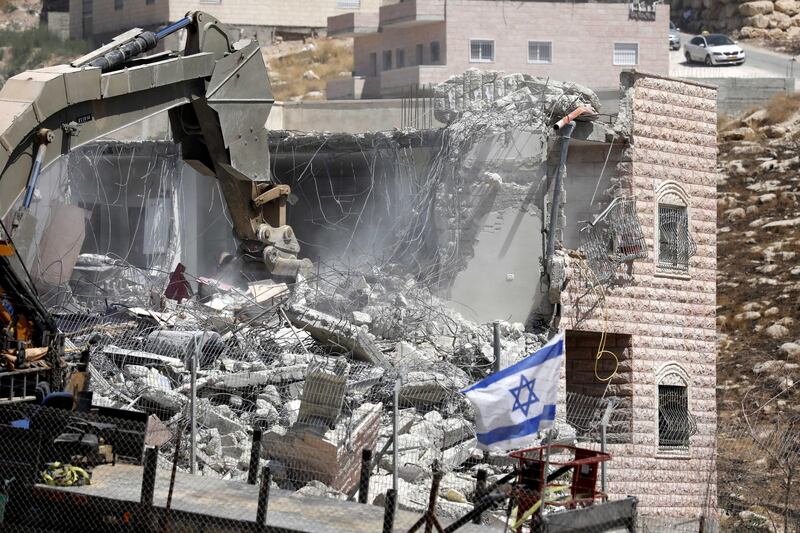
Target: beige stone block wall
point(398, 38)
point(582, 36)
point(670, 319)
point(134, 13)
point(300, 14)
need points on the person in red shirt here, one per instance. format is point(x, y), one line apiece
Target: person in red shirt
point(178, 288)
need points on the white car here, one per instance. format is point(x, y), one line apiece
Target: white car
point(713, 49)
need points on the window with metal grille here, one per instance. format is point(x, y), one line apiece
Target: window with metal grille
point(420, 52)
point(481, 51)
point(626, 53)
point(348, 4)
point(118, 4)
point(387, 60)
point(674, 423)
point(435, 52)
point(675, 246)
point(540, 52)
point(400, 58)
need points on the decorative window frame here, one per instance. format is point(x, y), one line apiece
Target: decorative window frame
point(674, 374)
point(669, 193)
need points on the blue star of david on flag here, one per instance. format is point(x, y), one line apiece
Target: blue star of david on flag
point(525, 386)
point(515, 404)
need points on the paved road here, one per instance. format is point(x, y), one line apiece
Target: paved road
point(760, 63)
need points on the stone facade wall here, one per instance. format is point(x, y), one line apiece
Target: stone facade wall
point(280, 13)
point(582, 37)
point(107, 19)
point(671, 319)
point(406, 39)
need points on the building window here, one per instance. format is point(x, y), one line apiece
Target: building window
point(149, 2)
point(673, 417)
point(348, 4)
point(118, 5)
point(673, 238)
point(435, 52)
point(373, 64)
point(400, 58)
point(387, 60)
point(674, 243)
point(481, 51)
point(626, 53)
point(675, 423)
point(420, 53)
point(540, 52)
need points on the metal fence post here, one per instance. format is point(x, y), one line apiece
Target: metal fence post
point(603, 427)
point(255, 455)
point(148, 487)
point(263, 498)
point(366, 470)
point(480, 489)
point(395, 430)
point(496, 335)
point(389, 511)
point(195, 360)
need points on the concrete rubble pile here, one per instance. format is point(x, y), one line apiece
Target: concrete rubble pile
point(474, 172)
point(315, 364)
point(316, 372)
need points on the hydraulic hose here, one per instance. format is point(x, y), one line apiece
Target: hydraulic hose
point(144, 42)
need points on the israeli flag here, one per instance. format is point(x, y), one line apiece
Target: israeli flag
point(518, 401)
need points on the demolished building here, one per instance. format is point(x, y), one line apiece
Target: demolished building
point(420, 239)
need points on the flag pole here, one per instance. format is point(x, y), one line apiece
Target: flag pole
point(549, 439)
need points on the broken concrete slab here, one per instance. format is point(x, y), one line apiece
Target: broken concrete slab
point(456, 430)
point(416, 453)
point(332, 331)
point(218, 416)
point(165, 400)
point(320, 490)
point(181, 344)
point(459, 454)
point(267, 292)
point(246, 380)
point(422, 388)
point(323, 394)
point(332, 457)
point(122, 356)
point(414, 498)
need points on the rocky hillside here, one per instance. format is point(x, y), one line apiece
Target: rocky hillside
point(776, 23)
point(300, 70)
point(24, 45)
point(18, 15)
point(758, 313)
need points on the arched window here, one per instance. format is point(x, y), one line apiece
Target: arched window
point(674, 244)
point(675, 422)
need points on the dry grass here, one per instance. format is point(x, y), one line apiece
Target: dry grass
point(782, 108)
point(330, 59)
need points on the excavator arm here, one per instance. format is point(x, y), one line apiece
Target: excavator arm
point(218, 96)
